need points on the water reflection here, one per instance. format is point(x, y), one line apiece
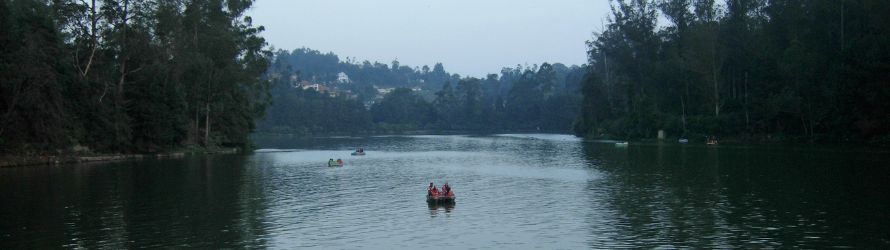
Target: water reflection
point(435, 207)
point(516, 191)
point(741, 197)
point(125, 205)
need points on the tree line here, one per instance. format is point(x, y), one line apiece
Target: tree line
point(308, 112)
point(521, 98)
point(314, 66)
point(541, 98)
point(128, 75)
point(794, 70)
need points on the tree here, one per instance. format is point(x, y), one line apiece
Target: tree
point(130, 75)
point(751, 69)
point(403, 108)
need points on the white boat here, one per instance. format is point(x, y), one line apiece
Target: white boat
point(621, 144)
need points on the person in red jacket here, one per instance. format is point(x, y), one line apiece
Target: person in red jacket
point(432, 190)
point(446, 189)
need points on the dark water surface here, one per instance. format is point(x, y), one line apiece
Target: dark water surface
point(513, 192)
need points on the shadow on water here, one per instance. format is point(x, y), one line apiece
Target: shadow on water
point(125, 205)
point(742, 197)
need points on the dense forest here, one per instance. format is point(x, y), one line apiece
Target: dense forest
point(796, 70)
point(522, 98)
point(128, 76)
point(155, 75)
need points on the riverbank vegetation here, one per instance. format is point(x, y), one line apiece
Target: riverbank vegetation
point(807, 71)
point(395, 98)
point(103, 76)
point(128, 76)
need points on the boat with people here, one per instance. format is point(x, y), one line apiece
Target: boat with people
point(337, 163)
point(359, 152)
point(436, 196)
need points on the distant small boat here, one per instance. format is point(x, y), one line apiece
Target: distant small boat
point(683, 140)
point(358, 153)
point(621, 144)
point(335, 164)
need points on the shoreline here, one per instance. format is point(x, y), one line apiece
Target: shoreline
point(409, 132)
point(12, 161)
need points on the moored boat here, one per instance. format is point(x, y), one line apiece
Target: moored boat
point(358, 153)
point(621, 144)
point(683, 140)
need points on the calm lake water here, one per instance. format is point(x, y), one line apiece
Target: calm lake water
point(513, 192)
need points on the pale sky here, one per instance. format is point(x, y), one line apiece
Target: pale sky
point(470, 37)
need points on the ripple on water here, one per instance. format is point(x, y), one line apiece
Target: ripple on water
point(514, 191)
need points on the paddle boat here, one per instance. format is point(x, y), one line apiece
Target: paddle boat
point(435, 196)
point(440, 198)
point(338, 163)
point(359, 152)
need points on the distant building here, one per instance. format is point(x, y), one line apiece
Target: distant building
point(385, 91)
point(342, 77)
point(308, 85)
point(314, 86)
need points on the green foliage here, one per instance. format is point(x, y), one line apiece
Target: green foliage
point(313, 66)
point(32, 79)
point(121, 76)
point(526, 98)
point(798, 70)
point(405, 108)
point(307, 112)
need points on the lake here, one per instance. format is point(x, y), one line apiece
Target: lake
point(515, 191)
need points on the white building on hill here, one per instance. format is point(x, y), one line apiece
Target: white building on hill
point(342, 77)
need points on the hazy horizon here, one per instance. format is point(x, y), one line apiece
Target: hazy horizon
point(470, 38)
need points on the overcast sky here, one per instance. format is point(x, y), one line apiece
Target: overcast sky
point(470, 37)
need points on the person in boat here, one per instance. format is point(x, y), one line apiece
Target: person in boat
point(432, 190)
point(331, 161)
point(446, 189)
point(339, 162)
